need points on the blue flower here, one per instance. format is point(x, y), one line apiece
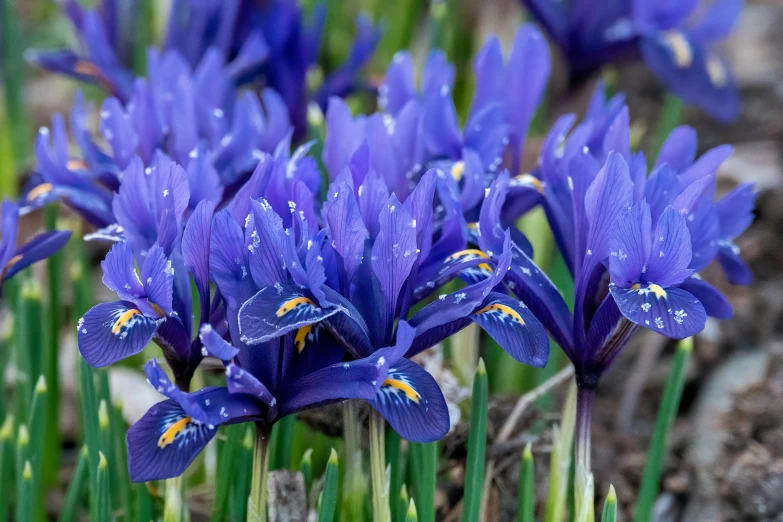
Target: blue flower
point(634, 243)
point(13, 258)
point(681, 54)
point(372, 263)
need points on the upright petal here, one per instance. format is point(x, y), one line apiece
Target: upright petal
point(347, 230)
point(630, 245)
point(393, 255)
point(671, 250)
point(157, 275)
point(119, 272)
point(195, 250)
point(679, 149)
point(265, 247)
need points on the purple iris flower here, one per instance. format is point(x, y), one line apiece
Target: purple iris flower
point(680, 52)
point(373, 262)
point(269, 42)
point(419, 129)
point(633, 242)
point(164, 442)
point(195, 118)
point(150, 308)
point(13, 258)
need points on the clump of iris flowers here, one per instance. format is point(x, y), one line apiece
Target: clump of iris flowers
point(266, 43)
point(634, 243)
point(308, 301)
point(681, 52)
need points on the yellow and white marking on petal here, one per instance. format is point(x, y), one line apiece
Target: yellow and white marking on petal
point(404, 387)
point(300, 340)
point(680, 47)
point(292, 304)
point(458, 170)
point(172, 431)
point(123, 320)
point(470, 253)
point(502, 309)
point(652, 287)
point(40, 190)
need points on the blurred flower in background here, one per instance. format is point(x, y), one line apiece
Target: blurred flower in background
point(676, 39)
point(15, 258)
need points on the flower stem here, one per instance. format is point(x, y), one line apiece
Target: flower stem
point(354, 485)
point(380, 486)
point(174, 509)
point(256, 502)
point(584, 413)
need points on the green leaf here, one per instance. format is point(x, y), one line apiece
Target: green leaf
point(425, 463)
point(329, 494)
point(306, 469)
point(104, 494)
point(25, 510)
point(527, 491)
point(411, 515)
point(244, 469)
point(7, 465)
point(75, 488)
point(667, 411)
point(227, 465)
point(609, 513)
point(55, 315)
point(477, 447)
point(29, 343)
point(402, 505)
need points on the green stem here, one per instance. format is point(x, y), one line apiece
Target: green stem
point(175, 509)
point(354, 486)
point(256, 503)
point(396, 470)
point(670, 402)
point(380, 486)
point(584, 413)
point(560, 460)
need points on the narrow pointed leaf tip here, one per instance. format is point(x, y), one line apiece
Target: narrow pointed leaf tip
point(332, 456)
point(40, 386)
